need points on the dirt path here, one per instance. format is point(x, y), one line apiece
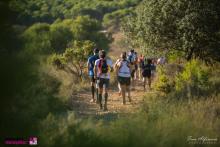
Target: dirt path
point(83, 108)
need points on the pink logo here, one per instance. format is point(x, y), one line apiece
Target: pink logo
point(33, 140)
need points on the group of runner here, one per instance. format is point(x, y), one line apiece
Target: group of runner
point(128, 68)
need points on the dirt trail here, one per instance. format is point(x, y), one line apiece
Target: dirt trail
point(83, 108)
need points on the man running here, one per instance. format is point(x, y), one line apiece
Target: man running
point(124, 76)
point(103, 67)
point(90, 66)
point(146, 73)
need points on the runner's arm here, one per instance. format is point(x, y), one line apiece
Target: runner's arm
point(95, 70)
point(111, 66)
point(116, 64)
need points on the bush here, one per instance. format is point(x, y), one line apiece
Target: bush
point(37, 39)
point(193, 81)
point(163, 83)
point(114, 18)
point(166, 77)
point(159, 123)
point(60, 36)
point(190, 80)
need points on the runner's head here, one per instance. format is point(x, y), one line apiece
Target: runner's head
point(95, 51)
point(149, 61)
point(102, 54)
point(132, 50)
point(123, 55)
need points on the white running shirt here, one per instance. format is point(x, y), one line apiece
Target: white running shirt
point(124, 70)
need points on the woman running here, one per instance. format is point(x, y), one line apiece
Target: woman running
point(124, 76)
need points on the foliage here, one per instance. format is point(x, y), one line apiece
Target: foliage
point(185, 25)
point(185, 81)
point(60, 36)
point(30, 101)
point(44, 38)
point(74, 57)
point(165, 81)
point(32, 11)
point(37, 39)
point(114, 18)
point(175, 56)
point(193, 80)
point(160, 122)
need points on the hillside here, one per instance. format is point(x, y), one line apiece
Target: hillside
point(46, 90)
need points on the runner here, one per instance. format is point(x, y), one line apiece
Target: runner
point(116, 71)
point(146, 72)
point(132, 60)
point(90, 66)
point(140, 66)
point(161, 61)
point(136, 65)
point(124, 76)
point(102, 68)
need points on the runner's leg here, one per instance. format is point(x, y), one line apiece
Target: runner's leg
point(144, 83)
point(132, 79)
point(106, 82)
point(100, 84)
point(139, 71)
point(97, 91)
point(119, 89)
point(123, 93)
point(149, 82)
point(92, 89)
point(127, 88)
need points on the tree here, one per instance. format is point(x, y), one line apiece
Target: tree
point(84, 26)
point(74, 57)
point(60, 36)
point(37, 39)
point(188, 26)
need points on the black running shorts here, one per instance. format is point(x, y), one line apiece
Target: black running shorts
point(124, 80)
point(101, 82)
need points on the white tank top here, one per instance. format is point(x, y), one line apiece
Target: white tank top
point(124, 70)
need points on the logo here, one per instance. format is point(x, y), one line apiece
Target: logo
point(21, 141)
point(33, 140)
point(202, 140)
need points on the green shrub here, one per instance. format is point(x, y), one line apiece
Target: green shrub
point(193, 81)
point(163, 84)
point(175, 56)
point(36, 39)
point(166, 81)
point(114, 18)
point(159, 123)
point(188, 81)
